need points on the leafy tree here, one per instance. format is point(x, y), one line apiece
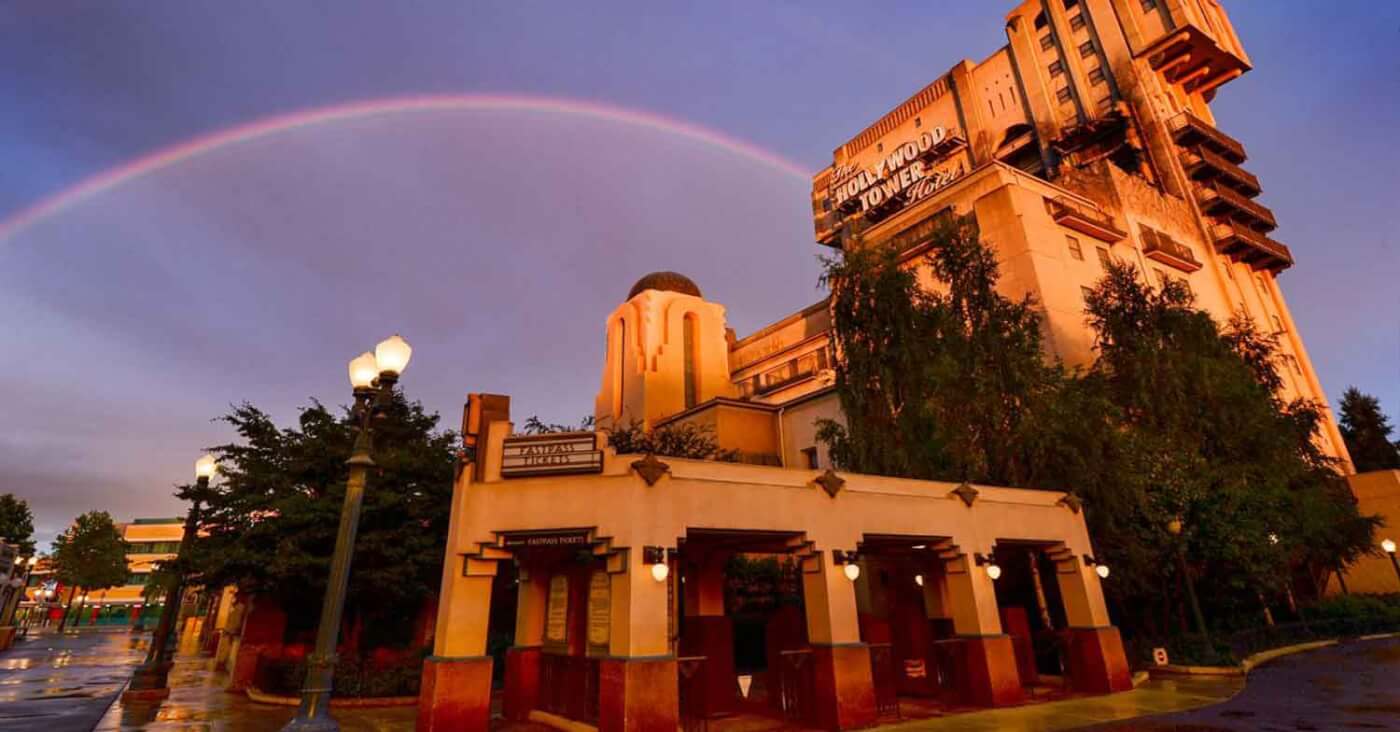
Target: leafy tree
point(940, 383)
point(17, 523)
point(270, 522)
point(91, 554)
point(1367, 432)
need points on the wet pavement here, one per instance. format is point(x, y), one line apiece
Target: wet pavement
point(64, 683)
point(1351, 686)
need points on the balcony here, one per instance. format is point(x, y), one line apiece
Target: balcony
point(1247, 245)
point(1083, 218)
point(1203, 165)
point(1190, 57)
point(1218, 200)
point(1188, 129)
point(1168, 251)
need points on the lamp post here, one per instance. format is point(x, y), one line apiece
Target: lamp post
point(23, 566)
point(373, 376)
point(1389, 546)
point(1174, 528)
point(150, 680)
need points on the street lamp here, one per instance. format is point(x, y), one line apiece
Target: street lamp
point(150, 680)
point(1389, 546)
point(1174, 527)
point(372, 375)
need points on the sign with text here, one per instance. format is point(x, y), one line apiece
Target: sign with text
point(556, 616)
point(546, 539)
point(599, 612)
point(557, 454)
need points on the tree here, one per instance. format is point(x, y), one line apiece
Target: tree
point(269, 524)
point(91, 554)
point(1367, 432)
point(942, 383)
point(17, 523)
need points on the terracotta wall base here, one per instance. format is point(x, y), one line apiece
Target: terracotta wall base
point(1098, 664)
point(637, 694)
point(455, 695)
point(522, 682)
point(845, 689)
point(987, 673)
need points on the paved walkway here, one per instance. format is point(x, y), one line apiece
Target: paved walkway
point(64, 683)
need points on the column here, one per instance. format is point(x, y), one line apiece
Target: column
point(709, 633)
point(637, 681)
point(1097, 663)
point(845, 690)
point(455, 693)
point(523, 658)
point(986, 668)
point(263, 627)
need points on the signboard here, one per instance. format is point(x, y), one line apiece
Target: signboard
point(907, 172)
point(1159, 656)
point(529, 540)
point(556, 454)
point(914, 668)
point(599, 612)
point(556, 614)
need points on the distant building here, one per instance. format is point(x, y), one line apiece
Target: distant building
point(150, 541)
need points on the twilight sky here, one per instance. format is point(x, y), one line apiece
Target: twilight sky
point(495, 233)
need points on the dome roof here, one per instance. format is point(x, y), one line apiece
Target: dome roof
point(666, 282)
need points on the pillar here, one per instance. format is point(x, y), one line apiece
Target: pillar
point(986, 672)
point(637, 682)
point(455, 693)
point(1097, 663)
point(710, 634)
point(263, 627)
point(845, 690)
point(522, 692)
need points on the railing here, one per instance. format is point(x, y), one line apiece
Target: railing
point(1225, 232)
point(885, 676)
point(797, 686)
point(1170, 251)
point(946, 654)
point(1186, 127)
point(693, 694)
point(569, 686)
point(1214, 195)
point(1083, 218)
point(1233, 175)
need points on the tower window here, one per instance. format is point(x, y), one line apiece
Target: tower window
point(690, 371)
point(1149, 5)
point(1064, 95)
point(1047, 42)
point(1096, 75)
point(1076, 21)
point(1056, 68)
point(1104, 258)
point(809, 458)
point(1074, 249)
point(1086, 49)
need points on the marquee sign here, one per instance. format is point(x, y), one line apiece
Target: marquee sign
point(556, 454)
point(912, 170)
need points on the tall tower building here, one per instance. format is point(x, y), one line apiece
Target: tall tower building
point(1089, 137)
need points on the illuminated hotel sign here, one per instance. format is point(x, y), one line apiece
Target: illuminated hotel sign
point(557, 454)
point(903, 176)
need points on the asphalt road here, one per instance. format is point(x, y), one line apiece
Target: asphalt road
point(1351, 686)
point(64, 683)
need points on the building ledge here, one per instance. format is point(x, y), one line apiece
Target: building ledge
point(1188, 129)
point(1203, 165)
point(1190, 57)
point(1084, 218)
point(1218, 200)
point(1244, 244)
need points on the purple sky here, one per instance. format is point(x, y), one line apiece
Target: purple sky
point(497, 242)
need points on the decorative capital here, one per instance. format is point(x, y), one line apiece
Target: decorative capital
point(1071, 502)
point(650, 469)
point(830, 482)
point(966, 492)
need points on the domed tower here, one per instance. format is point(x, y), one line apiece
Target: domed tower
point(667, 352)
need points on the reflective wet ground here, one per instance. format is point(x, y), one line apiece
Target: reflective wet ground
point(1351, 686)
point(63, 683)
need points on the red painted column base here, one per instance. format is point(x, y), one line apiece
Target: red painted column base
point(455, 694)
point(845, 689)
point(987, 674)
point(712, 636)
point(1098, 664)
point(637, 694)
point(522, 682)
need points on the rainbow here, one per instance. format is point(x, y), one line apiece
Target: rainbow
point(192, 148)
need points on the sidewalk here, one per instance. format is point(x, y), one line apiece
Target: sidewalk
point(198, 701)
point(1153, 697)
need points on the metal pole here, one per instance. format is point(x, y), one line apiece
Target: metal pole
point(150, 680)
point(314, 712)
point(1395, 563)
point(1191, 594)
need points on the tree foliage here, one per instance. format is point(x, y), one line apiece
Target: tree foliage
point(17, 523)
point(678, 439)
point(270, 521)
point(942, 377)
point(91, 554)
point(1367, 430)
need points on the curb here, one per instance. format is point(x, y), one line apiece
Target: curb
point(262, 697)
point(1258, 659)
